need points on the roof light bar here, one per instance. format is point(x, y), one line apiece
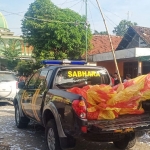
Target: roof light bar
point(60, 62)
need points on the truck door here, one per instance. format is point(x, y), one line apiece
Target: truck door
point(29, 95)
point(39, 96)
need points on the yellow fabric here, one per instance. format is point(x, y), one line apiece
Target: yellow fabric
point(125, 99)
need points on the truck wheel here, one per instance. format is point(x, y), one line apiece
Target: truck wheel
point(21, 122)
point(126, 143)
point(52, 138)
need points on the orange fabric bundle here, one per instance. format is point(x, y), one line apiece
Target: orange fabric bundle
point(106, 102)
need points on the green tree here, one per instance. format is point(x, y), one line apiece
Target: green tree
point(53, 32)
point(27, 67)
point(121, 29)
point(100, 33)
point(11, 54)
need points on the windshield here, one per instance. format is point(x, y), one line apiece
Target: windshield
point(6, 76)
point(68, 78)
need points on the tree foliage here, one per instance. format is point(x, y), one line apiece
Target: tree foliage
point(54, 33)
point(27, 67)
point(121, 29)
point(100, 33)
point(11, 54)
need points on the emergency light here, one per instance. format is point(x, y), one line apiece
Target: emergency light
point(60, 62)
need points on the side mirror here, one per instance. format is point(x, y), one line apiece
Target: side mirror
point(21, 85)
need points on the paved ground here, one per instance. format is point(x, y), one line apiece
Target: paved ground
point(32, 138)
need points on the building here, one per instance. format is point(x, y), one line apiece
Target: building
point(7, 37)
point(132, 53)
point(101, 44)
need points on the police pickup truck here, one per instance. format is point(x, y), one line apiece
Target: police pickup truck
point(44, 99)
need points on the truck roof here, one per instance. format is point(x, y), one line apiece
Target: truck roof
point(72, 66)
point(55, 64)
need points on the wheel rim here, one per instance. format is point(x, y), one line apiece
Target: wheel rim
point(17, 115)
point(51, 139)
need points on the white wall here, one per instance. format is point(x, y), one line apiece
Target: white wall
point(121, 54)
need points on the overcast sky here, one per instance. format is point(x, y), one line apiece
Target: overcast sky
point(114, 10)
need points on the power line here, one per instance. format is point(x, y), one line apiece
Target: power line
point(61, 21)
point(111, 44)
point(81, 8)
point(65, 2)
point(106, 10)
point(45, 20)
point(91, 17)
point(125, 38)
point(124, 32)
point(110, 21)
point(54, 21)
point(75, 4)
point(116, 25)
point(113, 13)
point(12, 14)
point(62, 3)
point(93, 4)
point(83, 22)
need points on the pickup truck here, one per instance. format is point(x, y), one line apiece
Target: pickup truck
point(44, 98)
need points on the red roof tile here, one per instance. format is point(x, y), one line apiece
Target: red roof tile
point(101, 44)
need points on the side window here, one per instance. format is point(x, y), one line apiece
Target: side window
point(49, 75)
point(32, 84)
point(41, 82)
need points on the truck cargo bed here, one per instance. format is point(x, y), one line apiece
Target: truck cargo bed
point(122, 122)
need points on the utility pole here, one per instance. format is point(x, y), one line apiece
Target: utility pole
point(111, 44)
point(86, 28)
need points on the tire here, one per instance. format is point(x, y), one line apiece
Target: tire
point(126, 143)
point(21, 122)
point(52, 137)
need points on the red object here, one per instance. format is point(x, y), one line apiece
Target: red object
point(115, 87)
point(93, 115)
point(128, 83)
point(113, 81)
point(84, 129)
point(80, 108)
point(146, 84)
point(103, 95)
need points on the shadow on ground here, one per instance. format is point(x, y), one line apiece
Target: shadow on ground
point(6, 103)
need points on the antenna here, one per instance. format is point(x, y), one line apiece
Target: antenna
point(111, 44)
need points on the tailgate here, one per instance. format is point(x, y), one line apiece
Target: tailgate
point(123, 122)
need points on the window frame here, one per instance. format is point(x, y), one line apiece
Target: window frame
point(27, 85)
point(45, 79)
point(67, 68)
